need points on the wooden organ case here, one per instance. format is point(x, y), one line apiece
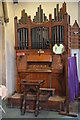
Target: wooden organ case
point(33, 43)
point(75, 36)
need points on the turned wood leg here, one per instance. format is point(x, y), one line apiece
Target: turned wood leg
point(21, 102)
point(23, 107)
point(37, 101)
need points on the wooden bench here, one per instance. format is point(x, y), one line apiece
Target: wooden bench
point(51, 90)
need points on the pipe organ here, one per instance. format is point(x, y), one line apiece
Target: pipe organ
point(33, 43)
point(40, 38)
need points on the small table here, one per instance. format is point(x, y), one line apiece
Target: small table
point(27, 85)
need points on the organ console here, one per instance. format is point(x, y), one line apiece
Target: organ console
point(34, 40)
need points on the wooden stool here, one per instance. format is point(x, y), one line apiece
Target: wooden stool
point(27, 85)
